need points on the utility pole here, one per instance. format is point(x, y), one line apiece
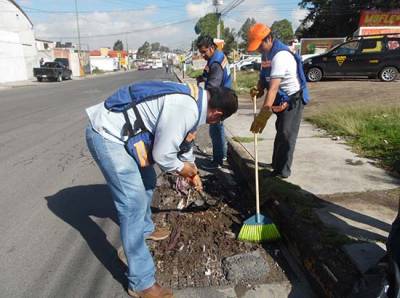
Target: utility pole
point(217, 3)
point(79, 34)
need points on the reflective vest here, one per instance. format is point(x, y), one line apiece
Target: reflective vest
point(140, 141)
point(265, 73)
point(220, 58)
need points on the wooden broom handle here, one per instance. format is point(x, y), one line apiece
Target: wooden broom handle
point(256, 159)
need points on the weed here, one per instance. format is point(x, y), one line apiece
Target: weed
point(373, 132)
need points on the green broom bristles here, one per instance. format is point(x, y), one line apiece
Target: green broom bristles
point(253, 231)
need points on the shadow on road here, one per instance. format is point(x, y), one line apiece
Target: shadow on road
point(75, 206)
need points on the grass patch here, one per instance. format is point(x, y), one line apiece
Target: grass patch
point(245, 80)
point(373, 132)
point(96, 71)
point(194, 73)
point(245, 139)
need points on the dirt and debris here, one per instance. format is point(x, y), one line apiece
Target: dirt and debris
point(203, 235)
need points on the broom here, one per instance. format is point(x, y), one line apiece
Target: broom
point(258, 228)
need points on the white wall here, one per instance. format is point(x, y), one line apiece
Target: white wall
point(103, 63)
point(12, 59)
point(14, 22)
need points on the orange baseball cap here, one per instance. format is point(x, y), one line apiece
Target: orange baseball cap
point(256, 35)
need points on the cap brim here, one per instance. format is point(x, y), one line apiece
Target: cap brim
point(254, 45)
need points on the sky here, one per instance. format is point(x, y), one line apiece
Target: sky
point(170, 22)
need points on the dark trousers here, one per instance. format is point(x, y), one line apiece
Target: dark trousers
point(393, 248)
point(287, 128)
point(393, 242)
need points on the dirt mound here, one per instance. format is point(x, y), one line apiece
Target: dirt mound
point(202, 236)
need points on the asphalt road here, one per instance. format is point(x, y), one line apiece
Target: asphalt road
point(57, 222)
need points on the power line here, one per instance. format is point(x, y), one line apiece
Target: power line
point(161, 26)
point(38, 10)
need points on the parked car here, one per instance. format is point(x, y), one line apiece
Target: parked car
point(56, 71)
point(247, 63)
point(144, 66)
point(157, 64)
point(373, 56)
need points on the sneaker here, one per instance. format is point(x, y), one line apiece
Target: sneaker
point(279, 175)
point(210, 166)
point(155, 291)
point(159, 234)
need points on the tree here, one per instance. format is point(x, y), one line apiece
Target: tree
point(244, 30)
point(164, 49)
point(207, 25)
point(155, 46)
point(144, 51)
point(337, 18)
point(229, 39)
point(118, 46)
point(283, 30)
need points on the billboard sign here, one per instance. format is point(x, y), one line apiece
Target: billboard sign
point(371, 18)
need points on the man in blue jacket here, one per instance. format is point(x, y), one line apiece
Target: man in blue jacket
point(283, 77)
point(216, 74)
point(165, 113)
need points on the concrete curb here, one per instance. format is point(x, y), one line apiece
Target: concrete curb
point(317, 249)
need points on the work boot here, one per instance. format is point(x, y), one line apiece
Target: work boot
point(157, 235)
point(156, 291)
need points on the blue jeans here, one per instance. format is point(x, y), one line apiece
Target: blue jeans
point(219, 144)
point(132, 191)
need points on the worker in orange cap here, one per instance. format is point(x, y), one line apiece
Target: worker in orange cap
point(283, 77)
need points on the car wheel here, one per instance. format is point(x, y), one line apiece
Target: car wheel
point(388, 74)
point(59, 78)
point(314, 74)
point(39, 79)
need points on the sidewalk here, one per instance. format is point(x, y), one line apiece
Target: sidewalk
point(330, 210)
point(34, 82)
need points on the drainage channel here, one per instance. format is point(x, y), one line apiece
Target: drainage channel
point(203, 251)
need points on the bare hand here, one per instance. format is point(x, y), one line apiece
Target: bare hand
point(195, 181)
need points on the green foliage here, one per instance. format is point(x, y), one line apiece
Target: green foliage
point(244, 30)
point(245, 80)
point(373, 131)
point(207, 25)
point(245, 139)
point(118, 45)
point(337, 18)
point(144, 51)
point(164, 49)
point(96, 70)
point(155, 46)
point(229, 37)
point(283, 30)
point(194, 73)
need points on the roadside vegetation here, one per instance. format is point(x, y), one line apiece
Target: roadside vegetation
point(194, 73)
point(245, 80)
point(372, 131)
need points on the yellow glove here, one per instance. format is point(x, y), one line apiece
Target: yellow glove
point(256, 92)
point(260, 121)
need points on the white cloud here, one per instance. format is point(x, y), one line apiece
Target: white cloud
point(107, 23)
point(256, 9)
point(197, 10)
point(297, 16)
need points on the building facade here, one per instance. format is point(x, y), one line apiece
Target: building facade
point(18, 53)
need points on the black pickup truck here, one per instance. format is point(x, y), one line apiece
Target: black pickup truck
point(56, 71)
